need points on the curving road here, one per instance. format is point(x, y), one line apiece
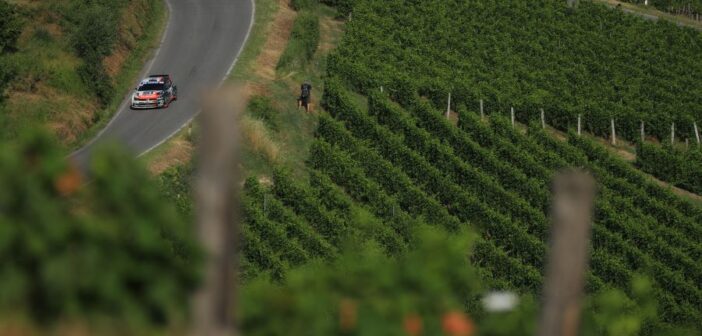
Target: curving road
point(200, 45)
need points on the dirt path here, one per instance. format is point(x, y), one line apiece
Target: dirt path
point(630, 157)
point(654, 14)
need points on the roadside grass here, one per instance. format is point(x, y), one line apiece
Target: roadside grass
point(245, 66)
point(296, 130)
point(177, 151)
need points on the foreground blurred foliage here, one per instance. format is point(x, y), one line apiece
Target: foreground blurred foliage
point(107, 250)
point(425, 292)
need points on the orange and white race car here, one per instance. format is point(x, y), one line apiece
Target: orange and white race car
point(155, 91)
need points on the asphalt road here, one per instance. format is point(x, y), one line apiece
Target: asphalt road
point(201, 43)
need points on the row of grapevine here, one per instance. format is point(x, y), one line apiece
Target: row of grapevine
point(345, 171)
point(442, 157)
point(517, 234)
point(681, 168)
point(531, 55)
point(682, 310)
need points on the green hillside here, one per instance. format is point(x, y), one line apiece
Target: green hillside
point(593, 61)
point(72, 63)
point(393, 158)
point(385, 162)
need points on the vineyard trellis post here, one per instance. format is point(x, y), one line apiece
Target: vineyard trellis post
point(571, 221)
point(672, 133)
point(614, 132)
point(482, 113)
point(643, 132)
point(697, 133)
point(448, 106)
point(511, 113)
point(579, 127)
point(543, 119)
point(216, 199)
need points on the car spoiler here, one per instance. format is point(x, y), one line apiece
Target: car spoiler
point(165, 76)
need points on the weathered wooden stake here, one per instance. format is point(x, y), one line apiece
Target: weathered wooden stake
point(216, 200)
point(579, 128)
point(381, 89)
point(543, 119)
point(614, 133)
point(672, 133)
point(697, 133)
point(482, 113)
point(448, 106)
point(643, 132)
point(511, 112)
point(571, 220)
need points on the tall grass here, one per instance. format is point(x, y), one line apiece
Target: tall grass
point(303, 43)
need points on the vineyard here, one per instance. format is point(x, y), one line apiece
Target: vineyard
point(386, 160)
point(682, 168)
point(593, 61)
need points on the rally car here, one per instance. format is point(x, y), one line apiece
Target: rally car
point(154, 91)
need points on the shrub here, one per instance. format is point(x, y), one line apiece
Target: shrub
point(303, 4)
point(261, 107)
point(109, 250)
point(344, 7)
point(303, 43)
point(93, 34)
point(10, 27)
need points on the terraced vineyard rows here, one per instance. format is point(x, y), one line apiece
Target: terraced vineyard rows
point(386, 161)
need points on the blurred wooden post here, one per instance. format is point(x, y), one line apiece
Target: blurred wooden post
point(216, 200)
point(511, 113)
point(672, 133)
point(543, 119)
point(482, 114)
point(381, 89)
point(571, 217)
point(448, 106)
point(697, 133)
point(579, 124)
point(643, 132)
point(614, 133)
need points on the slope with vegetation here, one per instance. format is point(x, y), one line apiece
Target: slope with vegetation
point(384, 170)
point(73, 62)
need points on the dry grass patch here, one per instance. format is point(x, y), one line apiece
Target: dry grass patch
point(330, 30)
point(256, 136)
point(277, 40)
point(179, 152)
point(130, 30)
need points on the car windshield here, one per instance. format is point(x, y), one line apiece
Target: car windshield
point(151, 87)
